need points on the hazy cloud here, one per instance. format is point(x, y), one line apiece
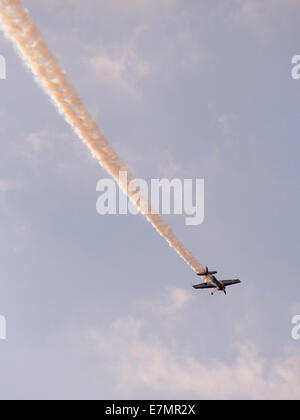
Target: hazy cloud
point(138, 359)
point(263, 16)
point(120, 67)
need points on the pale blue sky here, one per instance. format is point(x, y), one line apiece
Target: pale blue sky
point(100, 306)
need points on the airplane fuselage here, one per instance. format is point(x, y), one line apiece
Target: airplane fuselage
point(213, 281)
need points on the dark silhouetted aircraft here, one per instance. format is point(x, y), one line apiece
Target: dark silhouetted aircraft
point(211, 282)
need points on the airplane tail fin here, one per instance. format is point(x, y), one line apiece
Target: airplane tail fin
point(205, 272)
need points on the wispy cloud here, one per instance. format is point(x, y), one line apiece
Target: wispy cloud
point(178, 298)
point(176, 301)
point(263, 17)
point(141, 360)
point(228, 124)
point(120, 67)
point(7, 185)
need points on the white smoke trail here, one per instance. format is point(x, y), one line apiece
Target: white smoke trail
point(18, 26)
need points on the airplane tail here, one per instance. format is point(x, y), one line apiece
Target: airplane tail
point(206, 272)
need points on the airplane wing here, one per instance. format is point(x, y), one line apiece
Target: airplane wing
point(203, 286)
point(230, 282)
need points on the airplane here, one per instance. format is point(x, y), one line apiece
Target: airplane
point(211, 282)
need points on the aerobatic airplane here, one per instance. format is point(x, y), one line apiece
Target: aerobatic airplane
point(211, 282)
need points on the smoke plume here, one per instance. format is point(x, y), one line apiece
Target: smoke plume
point(18, 26)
